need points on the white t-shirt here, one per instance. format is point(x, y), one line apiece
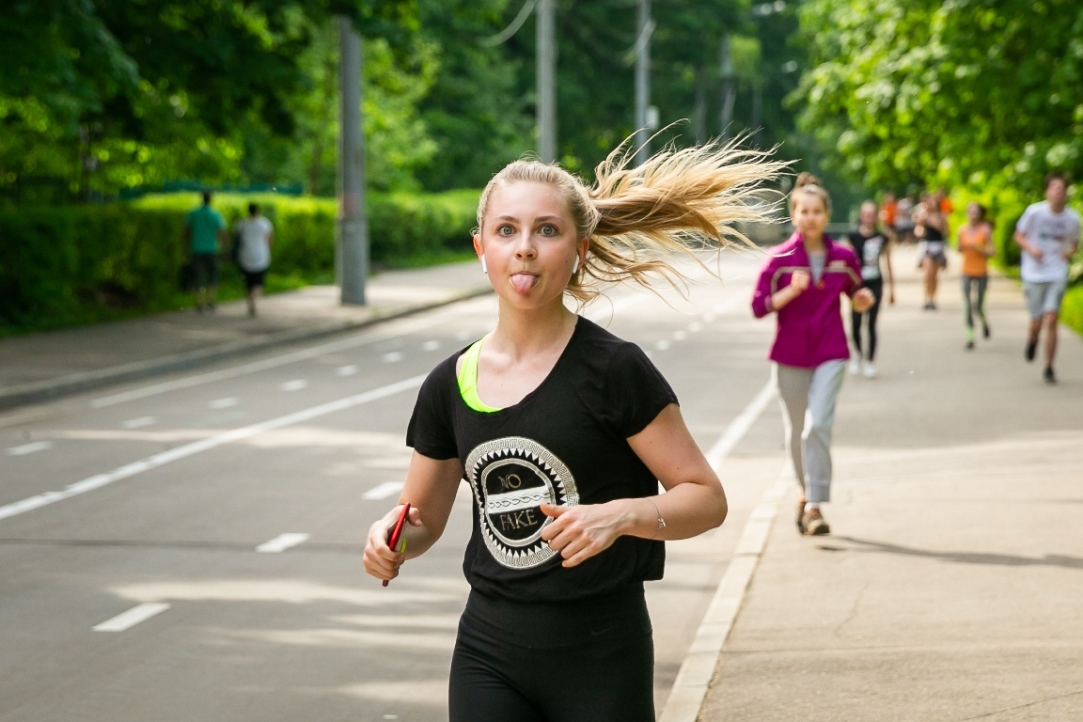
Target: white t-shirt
point(1053, 233)
point(255, 253)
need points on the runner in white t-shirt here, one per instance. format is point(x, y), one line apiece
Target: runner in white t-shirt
point(255, 235)
point(1048, 233)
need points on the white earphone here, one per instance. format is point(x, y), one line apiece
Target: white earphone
point(484, 269)
point(575, 266)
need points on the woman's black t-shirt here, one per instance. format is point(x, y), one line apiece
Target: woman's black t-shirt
point(565, 443)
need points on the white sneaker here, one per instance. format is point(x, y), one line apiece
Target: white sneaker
point(855, 365)
point(870, 370)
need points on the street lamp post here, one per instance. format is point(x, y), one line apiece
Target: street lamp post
point(352, 231)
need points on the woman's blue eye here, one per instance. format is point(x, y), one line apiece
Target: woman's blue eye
point(505, 230)
point(548, 230)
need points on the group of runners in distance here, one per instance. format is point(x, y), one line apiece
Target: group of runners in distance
point(563, 431)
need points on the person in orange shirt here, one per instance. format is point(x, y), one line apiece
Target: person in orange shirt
point(976, 245)
point(888, 210)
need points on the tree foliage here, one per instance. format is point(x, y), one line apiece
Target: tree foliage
point(956, 91)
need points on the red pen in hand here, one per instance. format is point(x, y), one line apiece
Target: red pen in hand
point(397, 532)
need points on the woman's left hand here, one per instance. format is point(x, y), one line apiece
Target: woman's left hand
point(863, 300)
point(579, 532)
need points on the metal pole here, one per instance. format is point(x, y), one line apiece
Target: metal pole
point(352, 242)
point(643, 83)
point(546, 79)
point(729, 90)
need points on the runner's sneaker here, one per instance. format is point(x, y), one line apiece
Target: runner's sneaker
point(870, 370)
point(1049, 376)
point(1032, 348)
point(801, 515)
point(855, 365)
point(814, 523)
point(985, 332)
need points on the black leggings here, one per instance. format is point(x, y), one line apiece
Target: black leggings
point(588, 660)
point(877, 288)
point(978, 283)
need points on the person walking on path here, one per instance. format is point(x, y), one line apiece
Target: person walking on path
point(976, 245)
point(931, 229)
point(204, 231)
point(563, 432)
point(801, 284)
point(870, 244)
point(1048, 232)
point(255, 234)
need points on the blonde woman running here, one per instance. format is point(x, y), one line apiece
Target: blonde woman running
point(563, 432)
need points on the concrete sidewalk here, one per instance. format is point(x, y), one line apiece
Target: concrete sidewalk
point(951, 587)
point(46, 365)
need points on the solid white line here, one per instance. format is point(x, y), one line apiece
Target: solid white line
point(693, 680)
point(388, 488)
point(295, 385)
point(30, 448)
point(223, 403)
point(740, 426)
point(197, 447)
point(282, 542)
point(138, 423)
point(135, 615)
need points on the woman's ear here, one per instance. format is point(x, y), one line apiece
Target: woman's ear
point(481, 253)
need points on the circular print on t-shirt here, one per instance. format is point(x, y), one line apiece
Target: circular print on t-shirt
point(510, 478)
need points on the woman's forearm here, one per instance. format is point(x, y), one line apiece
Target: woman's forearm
point(687, 509)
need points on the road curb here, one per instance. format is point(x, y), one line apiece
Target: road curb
point(37, 392)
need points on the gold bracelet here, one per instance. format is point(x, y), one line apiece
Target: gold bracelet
point(661, 521)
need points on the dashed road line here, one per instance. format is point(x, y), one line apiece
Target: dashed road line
point(347, 370)
point(196, 447)
point(30, 448)
point(126, 620)
point(225, 403)
point(383, 491)
point(294, 385)
point(282, 542)
point(141, 422)
point(392, 357)
point(433, 345)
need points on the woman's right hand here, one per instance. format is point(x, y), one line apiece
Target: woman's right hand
point(799, 281)
point(379, 559)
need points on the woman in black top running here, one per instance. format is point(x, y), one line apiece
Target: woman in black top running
point(931, 230)
point(562, 432)
point(870, 244)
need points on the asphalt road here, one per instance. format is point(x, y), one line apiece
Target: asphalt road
point(132, 581)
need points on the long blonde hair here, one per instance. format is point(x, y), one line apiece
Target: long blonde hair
point(637, 219)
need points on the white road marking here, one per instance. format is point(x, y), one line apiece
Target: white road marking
point(430, 345)
point(295, 385)
point(29, 448)
point(196, 447)
point(224, 403)
point(383, 491)
point(397, 328)
point(348, 370)
point(135, 615)
point(662, 345)
point(694, 677)
point(464, 335)
point(708, 317)
point(138, 423)
point(740, 426)
point(680, 335)
point(695, 327)
point(282, 542)
point(392, 357)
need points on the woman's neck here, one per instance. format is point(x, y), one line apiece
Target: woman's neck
point(520, 333)
point(813, 243)
point(866, 230)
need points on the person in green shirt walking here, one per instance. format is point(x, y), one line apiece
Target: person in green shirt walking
point(204, 231)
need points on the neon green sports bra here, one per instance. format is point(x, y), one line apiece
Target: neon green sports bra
point(468, 378)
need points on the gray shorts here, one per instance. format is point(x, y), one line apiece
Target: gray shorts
point(1044, 296)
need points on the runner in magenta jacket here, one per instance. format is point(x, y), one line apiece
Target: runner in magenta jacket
point(801, 283)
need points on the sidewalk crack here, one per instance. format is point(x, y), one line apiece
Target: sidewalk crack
point(1021, 706)
point(853, 611)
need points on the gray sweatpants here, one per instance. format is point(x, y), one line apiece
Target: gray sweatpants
point(808, 413)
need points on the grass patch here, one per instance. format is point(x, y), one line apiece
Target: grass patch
point(1071, 313)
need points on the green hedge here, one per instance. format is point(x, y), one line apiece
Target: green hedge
point(76, 264)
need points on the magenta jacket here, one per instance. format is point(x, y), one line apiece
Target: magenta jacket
point(810, 329)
